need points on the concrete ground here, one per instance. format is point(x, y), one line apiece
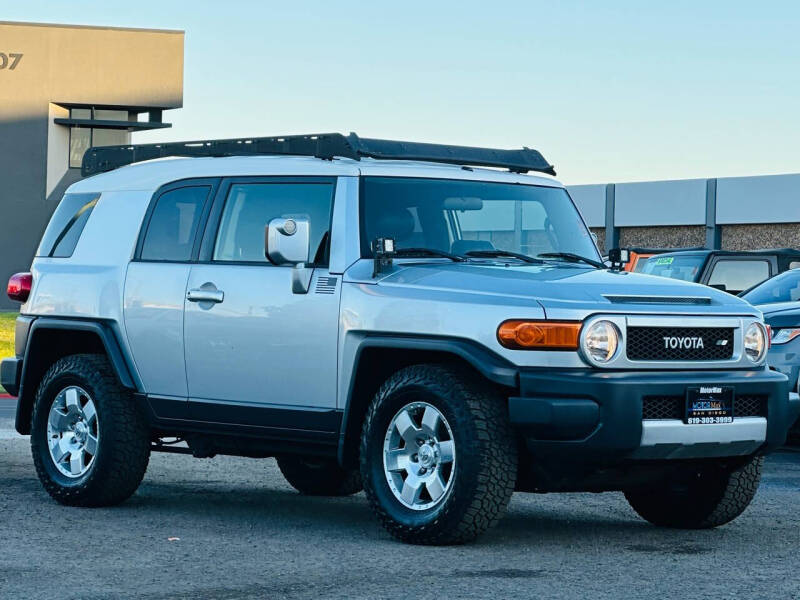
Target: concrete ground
point(232, 528)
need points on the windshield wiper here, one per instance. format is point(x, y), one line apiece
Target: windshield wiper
point(426, 252)
point(573, 258)
point(504, 253)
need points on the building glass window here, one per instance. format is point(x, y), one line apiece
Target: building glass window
point(110, 115)
point(80, 113)
point(83, 138)
point(80, 139)
point(109, 137)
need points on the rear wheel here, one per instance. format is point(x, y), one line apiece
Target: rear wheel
point(319, 476)
point(701, 498)
point(438, 457)
point(89, 439)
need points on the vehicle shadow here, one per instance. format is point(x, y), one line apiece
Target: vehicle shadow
point(284, 508)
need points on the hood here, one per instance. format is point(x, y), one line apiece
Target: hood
point(779, 307)
point(564, 289)
point(781, 314)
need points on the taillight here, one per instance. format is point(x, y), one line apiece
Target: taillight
point(19, 286)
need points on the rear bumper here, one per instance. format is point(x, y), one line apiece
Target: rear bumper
point(595, 415)
point(11, 374)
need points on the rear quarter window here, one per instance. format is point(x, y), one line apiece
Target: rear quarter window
point(66, 225)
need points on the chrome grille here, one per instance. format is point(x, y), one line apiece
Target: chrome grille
point(648, 343)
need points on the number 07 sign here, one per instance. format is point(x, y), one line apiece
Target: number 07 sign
point(9, 60)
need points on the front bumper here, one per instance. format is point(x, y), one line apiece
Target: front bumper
point(597, 415)
point(11, 374)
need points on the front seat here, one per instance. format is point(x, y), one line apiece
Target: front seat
point(396, 223)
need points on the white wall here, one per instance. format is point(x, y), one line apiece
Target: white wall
point(764, 199)
point(654, 203)
point(591, 201)
point(740, 200)
point(57, 148)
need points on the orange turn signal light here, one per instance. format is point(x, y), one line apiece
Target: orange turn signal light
point(539, 335)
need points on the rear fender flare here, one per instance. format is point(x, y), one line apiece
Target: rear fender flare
point(104, 332)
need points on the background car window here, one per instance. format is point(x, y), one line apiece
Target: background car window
point(66, 225)
point(251, 206)
point(684, 266)
point(738, 275)
point(781, 288)
point(171, 232)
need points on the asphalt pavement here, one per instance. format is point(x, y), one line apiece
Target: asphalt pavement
point(229, 528)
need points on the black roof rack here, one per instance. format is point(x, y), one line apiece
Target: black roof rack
point(326, 146)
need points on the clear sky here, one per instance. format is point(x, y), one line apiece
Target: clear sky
point(607, 90)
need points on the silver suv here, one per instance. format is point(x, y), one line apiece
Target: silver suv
point(382, 315)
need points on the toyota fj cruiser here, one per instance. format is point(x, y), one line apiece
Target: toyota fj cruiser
point(382, 314)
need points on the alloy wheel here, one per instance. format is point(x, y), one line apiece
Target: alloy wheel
point(73, 432)
point(419, 456)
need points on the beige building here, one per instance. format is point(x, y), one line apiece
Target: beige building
point(64, 88)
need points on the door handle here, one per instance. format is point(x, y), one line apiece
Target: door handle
point(201, 295)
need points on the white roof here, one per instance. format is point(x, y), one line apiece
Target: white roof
point(150, 175)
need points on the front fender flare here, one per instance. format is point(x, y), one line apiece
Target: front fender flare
point(492, 366)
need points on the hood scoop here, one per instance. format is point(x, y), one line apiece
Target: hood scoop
point(692, 300)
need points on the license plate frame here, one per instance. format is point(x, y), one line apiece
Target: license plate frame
point(709, 405)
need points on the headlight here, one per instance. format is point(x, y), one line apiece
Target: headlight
point(784, 336)
point(600, 341)
point(755, 342)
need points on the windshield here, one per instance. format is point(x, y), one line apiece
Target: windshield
point(685, 268)
point(781, 288)
point(460, 216)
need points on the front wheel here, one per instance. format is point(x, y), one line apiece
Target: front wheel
point(438, 456)
point(89, 439)
point(701, 498)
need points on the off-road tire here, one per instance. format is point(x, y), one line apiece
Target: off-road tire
point(705, 498)
point(319, 476)
point(486, 464)
point(124, 442)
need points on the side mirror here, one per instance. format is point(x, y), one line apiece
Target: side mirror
point(286, 242)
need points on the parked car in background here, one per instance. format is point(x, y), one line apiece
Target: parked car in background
point(726, 270)
point(640, 255)
point(778, 299)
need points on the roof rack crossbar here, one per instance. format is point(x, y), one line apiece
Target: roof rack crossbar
point(325, 146)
